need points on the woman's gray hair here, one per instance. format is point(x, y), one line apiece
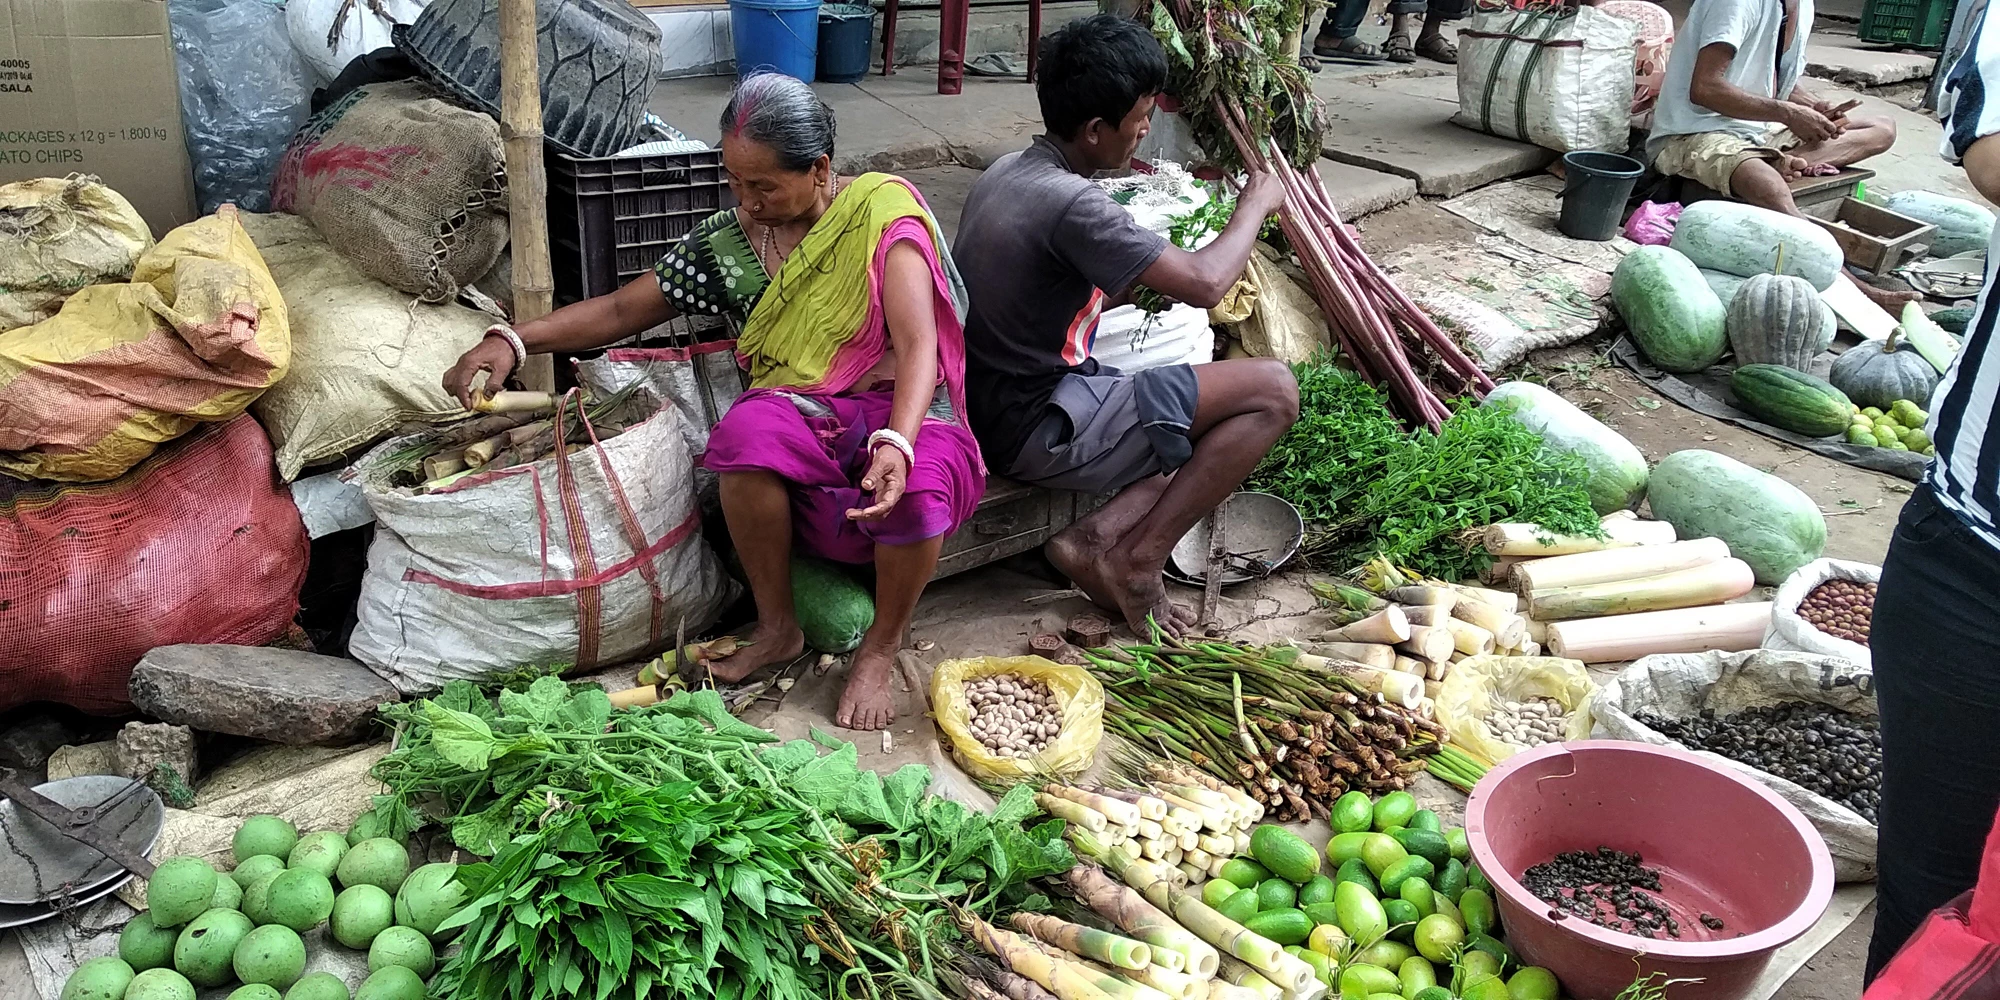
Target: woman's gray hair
point(780, 112)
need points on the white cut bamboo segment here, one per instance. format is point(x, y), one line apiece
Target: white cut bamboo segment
point(1538, 630)
point(1438, 671)
point(1531, 540)
point(1426, 614)
point(1385, 626)
point(1502, 600)
point(1696, 586)
point(1506, 626)
point(1424, 595)
point(1529, 648)
point(1411, 665)
point(1500, 572)
point(1468, 638)
point(1429, 642)
point(1370, 654)
point(1727, 628)
point(1612, 565)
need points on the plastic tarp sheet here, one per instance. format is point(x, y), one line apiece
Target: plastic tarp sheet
point(1707, 392)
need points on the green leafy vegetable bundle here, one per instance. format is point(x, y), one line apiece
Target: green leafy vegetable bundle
point(674, 847)
point(1367, 487)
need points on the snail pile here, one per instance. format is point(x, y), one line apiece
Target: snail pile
point(1013, 716)
point(1841, 608)
point(1529, 722)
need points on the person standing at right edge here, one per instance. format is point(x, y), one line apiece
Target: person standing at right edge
point(1935, 637)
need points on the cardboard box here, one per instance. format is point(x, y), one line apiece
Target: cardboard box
point(91, 87)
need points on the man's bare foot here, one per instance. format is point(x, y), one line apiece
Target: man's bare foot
point(867, 703)
point(764, 646)
point(1075, 557)
point(1141, 594)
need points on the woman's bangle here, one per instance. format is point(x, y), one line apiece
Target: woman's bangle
point(894, 440)
point(507, 333)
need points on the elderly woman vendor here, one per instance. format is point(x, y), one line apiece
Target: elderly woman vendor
point(851, 441)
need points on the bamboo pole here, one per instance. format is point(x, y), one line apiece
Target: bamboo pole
point(527, 181)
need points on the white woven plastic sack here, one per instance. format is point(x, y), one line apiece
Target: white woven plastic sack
point(329, 34)
point(1131, 341)
point(1789, 631)
point(570, 563)
point(1559, 77)
point(1679, 686)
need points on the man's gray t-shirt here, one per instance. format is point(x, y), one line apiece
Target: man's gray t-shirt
point(1040, 247)
point(1752, 27)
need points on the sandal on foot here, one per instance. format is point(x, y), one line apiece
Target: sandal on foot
point(1398, 49)
point(1349, 50)
point(1437, 48)
point(1308, 61)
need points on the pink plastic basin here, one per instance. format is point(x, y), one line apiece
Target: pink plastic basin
point(1724, 845)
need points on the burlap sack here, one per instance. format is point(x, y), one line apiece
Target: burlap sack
point(58, 235)
point(410, 188)
point(365, 360)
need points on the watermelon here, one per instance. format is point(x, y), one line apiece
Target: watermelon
point(1765, 521)
point(1617, 470)
point(1673, 315)
point(1746, 240)
point(1961, 225)
point(1789, 398)
point(834, 611)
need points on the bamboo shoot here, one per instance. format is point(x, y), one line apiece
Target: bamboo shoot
point(1234, 972)
point(444, 463)
point(1468, 638)
point(1018, 955)
point(1399, 688)
point(1713, 583)
point(1367, 654)
point(1177, 985)
point(1202, 859)
point(1726, 627)
point(1387, 626)
point(1412, 665)
point(1538, 630)
point(1500, 572)
point(1122, 952)
point(1507, 627)
point(1531, 540)
point(1528, 647)
point(1131, 913)
point(514, 401)
point(1438, 671)
point(1074, 812)
point(647, 694)
point(1501, 600)
point(1611, 565)
point(1231, 991)
point(1150, 807)
point(1429, 642)
point(1425, 614)
point(1124, 814)
point(1232, 938)
point(1217, 845)
point(1424, 595)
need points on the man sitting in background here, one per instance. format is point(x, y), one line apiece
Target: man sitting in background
point(1044, 251)
point(1732, 116)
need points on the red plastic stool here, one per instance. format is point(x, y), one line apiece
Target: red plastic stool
point(954, 17)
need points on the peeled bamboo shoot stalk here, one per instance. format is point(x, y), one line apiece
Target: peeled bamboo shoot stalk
point(1368, 654)
point(444, 463)
point(1411, 665)
point(1242, 842)
point(1178, 985)
point(479, 453)
point(1150, 806)
point(1501, 570)
point(1089, 942)
point(1386, 626)
point(1232, 972)
point(1233, 939)
point(1611, 565)
point(1149, 830)
point(1206, 798)
point(1531, 540)
point(1432, 689)
point(1019, 955)
point(1113, 982)
point(1201, 858)
point(1500, 600)
point(1231, 991)
point(1728, 628)
point(1626, 514)
point(1216, 845)
point(1398, 688)
point(1188, 841)
point(1425, 614)
point(1154, 850)
point(1506, 627)
point(1074, 812)
point(1437, 671)
point(1165, 770)
point(1538, 630)
point(1094, 845)
point(1197, 814)
point(1468, 638)
point(1713, 583)
point(1124, 814)
point(647, 694)
point(1195, 873)
point(510, 401)
point(1530, 647)
point(1429, 642)
point(1424, 596)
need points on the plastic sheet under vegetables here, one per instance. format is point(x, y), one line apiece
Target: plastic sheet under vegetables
point(1789, 631)
point(1476, 683)
point(1680, 685)
point(1078, 694)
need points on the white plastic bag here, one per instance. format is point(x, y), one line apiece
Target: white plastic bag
point(1131, 341)
point(1789, 631)
point(591, 559)
point(329, 34)
point(1680, 685)
point(1559, 77)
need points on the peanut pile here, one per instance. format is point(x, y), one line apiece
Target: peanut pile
point(1013, 716)
point(1841, 608)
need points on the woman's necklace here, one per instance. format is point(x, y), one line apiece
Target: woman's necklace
point(767, 251)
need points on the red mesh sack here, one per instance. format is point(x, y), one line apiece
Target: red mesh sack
point(199, 543)
point(1955, 953)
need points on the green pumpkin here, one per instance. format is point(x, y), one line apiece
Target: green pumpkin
point(1877, 373)
point(1777, 319)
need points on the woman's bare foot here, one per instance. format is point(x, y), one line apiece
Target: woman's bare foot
point(867, 703)
point(764, 646)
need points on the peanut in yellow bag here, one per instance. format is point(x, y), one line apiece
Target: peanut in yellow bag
point(1070, 753)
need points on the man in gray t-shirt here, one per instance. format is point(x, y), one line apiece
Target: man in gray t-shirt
point(1043, 252)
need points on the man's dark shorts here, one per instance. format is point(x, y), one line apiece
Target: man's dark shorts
point(1104, 432)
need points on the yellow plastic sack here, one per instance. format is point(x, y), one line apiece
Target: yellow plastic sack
point(1071, 753)
point(197, 334)
point(1286, 323)
point(59, 234)
point(1475, 683)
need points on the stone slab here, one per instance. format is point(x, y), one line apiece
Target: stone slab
point(1846, 59)
point(281, 695)
point(1402, 125)
point(1359, 191)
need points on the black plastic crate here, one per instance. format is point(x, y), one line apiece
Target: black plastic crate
point(612, 217)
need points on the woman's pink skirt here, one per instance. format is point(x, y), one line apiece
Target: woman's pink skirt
point(823, 458)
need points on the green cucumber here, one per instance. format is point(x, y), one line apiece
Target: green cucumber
point(1360, 980)
point(1493, 946)
point(1476, 879)
point(1361, 915)
point(1427, 844)
point(1214, 891)
point(1476, 908)
point(1394, 809)
point(1418, 893)
point(1454, 838)
point(1345, 847)
point(1319, 890)
point(1382, 853)
point(1403, 917)
point(1276, 894)
point(1410, 867)
point(1240, 906)
point(1245, 873)
point(1433, 993)
point(1450, 880)
point(1356, 871)
point(1438, 937)
point(1352, 813)
point(1287, 856)
point(1385, 954)
point(1417, 975)
point(1322, 913)
point(1284, 925)
point(1791, 399)
point(1424, 819)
